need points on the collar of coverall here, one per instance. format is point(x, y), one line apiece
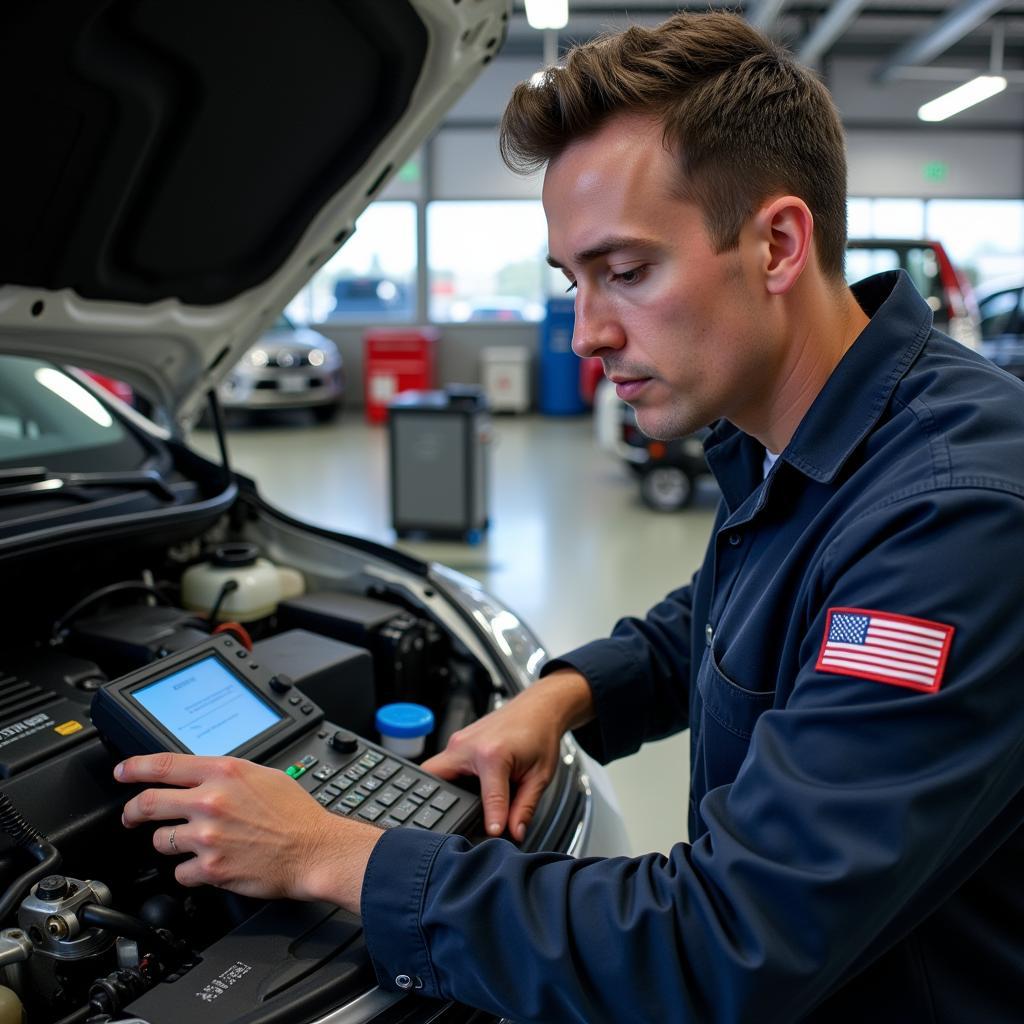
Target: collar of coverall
point(859, 388)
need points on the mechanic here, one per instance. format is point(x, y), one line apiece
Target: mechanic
point(849, 659)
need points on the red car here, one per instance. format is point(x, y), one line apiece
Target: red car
point(945, 288)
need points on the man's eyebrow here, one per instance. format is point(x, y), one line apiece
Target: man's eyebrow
point(612, 244)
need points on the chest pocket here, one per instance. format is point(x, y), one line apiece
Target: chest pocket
point(725, 721)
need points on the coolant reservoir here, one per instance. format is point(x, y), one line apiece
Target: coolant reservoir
point(260, 584)
point(11, 1011)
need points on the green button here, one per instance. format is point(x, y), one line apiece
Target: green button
point(295, 771)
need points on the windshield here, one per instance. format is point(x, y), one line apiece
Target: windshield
point(47, 418)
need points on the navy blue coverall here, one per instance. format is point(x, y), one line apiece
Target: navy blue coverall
point(857, 794)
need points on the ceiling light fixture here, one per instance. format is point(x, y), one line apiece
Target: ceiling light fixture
point(547, 13)
point(962, 97)
point(973, 91)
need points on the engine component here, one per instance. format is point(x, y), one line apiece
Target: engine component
point(110, 994)
point(43, 698)
point(335, 675)
point(156, 941)
point(15, 949)
point(29, 838)
point(404, 647)
point(258, 584)
point(125, 638)
point(50, 915)
point(11, 1009)
point(164, 911)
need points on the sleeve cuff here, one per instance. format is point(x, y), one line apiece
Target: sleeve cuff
point(619, 725)
point(392, 901)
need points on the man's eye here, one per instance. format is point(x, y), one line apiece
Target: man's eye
point(633, 276)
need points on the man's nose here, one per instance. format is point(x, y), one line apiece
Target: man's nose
point(595, 330)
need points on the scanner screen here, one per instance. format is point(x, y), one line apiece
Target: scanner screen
point(206, 708)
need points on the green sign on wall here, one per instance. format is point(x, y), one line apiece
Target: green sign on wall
point(410, 170)
point(936, 170)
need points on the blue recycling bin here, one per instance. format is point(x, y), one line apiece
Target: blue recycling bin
point(559, 365)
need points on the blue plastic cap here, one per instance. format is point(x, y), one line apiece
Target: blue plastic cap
point(404, 721)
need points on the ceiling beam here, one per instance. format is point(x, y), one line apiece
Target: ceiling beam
point(829, 28)
point(764, 14)
point(961, 20)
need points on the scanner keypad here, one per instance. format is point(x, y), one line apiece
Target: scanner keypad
point(373, 787)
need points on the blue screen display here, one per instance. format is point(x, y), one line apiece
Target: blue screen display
point(207, 708)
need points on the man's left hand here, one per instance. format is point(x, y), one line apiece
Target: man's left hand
point(248, 828)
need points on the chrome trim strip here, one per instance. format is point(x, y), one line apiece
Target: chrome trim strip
point(582, 835)
point(364, 1008)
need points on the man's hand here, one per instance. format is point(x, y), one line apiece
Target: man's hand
point(248, 828)
point(517, 743)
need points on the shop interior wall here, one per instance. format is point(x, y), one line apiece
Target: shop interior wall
point(889, 150)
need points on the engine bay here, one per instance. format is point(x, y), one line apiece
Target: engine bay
point(93, 926)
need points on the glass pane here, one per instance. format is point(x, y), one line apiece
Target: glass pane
point(861, 263)
point(45, 413)
point(858, 217)
point(372, 277)
point(921, 263)
point(984, 237)
point(486, 260)
point(897, 218)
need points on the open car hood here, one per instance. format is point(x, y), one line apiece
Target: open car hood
point(175, 172)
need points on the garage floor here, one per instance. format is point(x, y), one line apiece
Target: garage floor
point(570, 549)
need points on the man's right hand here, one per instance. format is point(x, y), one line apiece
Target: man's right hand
point(518, 743)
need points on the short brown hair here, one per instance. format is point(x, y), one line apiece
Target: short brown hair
point(747, 120)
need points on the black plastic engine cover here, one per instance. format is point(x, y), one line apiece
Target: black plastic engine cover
point(288, 962)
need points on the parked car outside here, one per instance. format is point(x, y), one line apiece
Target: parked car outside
point(289, 367)
point(944, 288)
point(1002, 325)
point(187, 221)
point(371, 298)
point(496, 309)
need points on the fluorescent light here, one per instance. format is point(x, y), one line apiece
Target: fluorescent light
point(547, 13)
point(74, 394)
point(962, 97)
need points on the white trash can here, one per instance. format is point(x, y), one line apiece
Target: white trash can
point(505, 375)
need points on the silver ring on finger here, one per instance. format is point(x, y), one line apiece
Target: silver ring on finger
point(170, 839)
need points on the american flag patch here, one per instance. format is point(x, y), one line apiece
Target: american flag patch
point(885, 647)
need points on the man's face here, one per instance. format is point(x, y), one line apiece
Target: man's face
point(683, 331)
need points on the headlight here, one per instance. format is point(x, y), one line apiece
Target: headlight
point(317, 357)
point(258, 357)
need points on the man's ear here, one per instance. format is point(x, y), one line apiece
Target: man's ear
point(784, 228)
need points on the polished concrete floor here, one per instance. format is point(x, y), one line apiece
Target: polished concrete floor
point(570, 548)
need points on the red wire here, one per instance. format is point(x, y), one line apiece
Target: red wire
point(238, 631)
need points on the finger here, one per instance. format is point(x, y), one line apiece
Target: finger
point(190, 873)
point(170, 840)
point(158, 805)
point(524, 806)
point(172, 769)
point(446, 766)
point(494, 796)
